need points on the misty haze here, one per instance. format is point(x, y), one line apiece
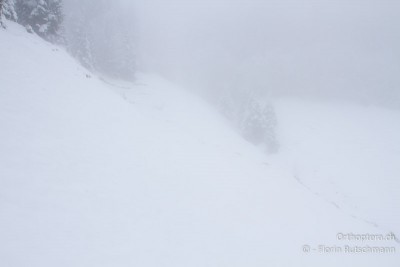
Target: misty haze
point(199, 133)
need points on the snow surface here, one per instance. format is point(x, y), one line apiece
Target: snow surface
point(348, 155)
point(96, 172)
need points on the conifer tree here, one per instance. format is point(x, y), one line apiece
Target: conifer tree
point(7, 11)
point(44, 17)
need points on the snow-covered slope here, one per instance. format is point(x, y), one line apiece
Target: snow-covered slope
point(100, 173)
point(349, 155)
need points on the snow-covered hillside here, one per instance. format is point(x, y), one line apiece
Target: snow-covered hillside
point(348, 155)
point(103, 173)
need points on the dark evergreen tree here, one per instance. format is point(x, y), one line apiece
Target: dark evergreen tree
point(258, 125)
point(44, 17)
point(7, 11)
point(102, 42)
point(255, 119)
point(1, 14)
point(78, 33)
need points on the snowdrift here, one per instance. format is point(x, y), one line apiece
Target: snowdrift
point(104, 173)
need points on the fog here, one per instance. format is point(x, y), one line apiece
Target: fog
point(346, 50)
point(184, 133)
